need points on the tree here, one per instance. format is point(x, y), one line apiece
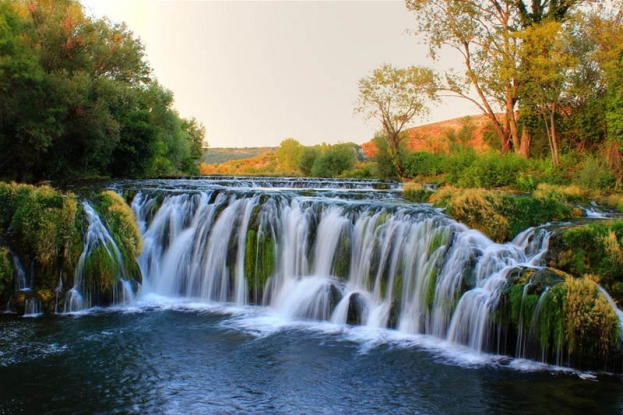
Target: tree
point(307, 160)
point(483, 33)
point(289, 154)
point(395, 97)
point(333, 160)
point(545, 73)
point(77, 100)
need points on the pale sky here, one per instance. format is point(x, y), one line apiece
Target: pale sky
point(258, 72)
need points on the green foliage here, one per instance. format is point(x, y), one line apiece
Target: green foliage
point(596, 249)
point(394, 97)
point(422, 163)
point(594, 175)
point(289, 154)
point(416, 192)
point(333, 160)
point(123, 227)
point(6, 271)
point(500, 216)
point(524, 212)
point(44, 228)
point(577, 320)
point(492, 170)
point(385, 167)
point(307, 160)
point(78, 102)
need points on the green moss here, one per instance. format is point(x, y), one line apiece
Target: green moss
point(341, 263)
point(440, 238)
point(259, 262)
point(123, 227)
point(498, 215)
point(44, 227)
point(431, 289)
point(576, 325)
point(6, 273)
point(595, 249)
point(100, 272)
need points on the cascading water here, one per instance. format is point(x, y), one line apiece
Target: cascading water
point(97, 236)
point(21, 278)
point(308, 257)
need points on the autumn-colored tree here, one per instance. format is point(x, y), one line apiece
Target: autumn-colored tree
point(484, 34)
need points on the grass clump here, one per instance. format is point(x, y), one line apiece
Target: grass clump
point(497, 215)
point(415, 192)
point(595, 249)
point(476, 208)
point(44, 229)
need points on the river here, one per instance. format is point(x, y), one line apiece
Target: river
point(202, 339)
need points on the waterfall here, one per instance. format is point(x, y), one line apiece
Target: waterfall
point(97, 236)
point(379, 265)
point(21, 278)
point(613, 305)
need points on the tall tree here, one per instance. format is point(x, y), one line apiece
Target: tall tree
point(545, 74)
point(289, 154)
point(77, 100)
point(395, 97)
point(483, 33)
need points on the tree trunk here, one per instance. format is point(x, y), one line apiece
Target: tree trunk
point(394, 153)
point(526, 141)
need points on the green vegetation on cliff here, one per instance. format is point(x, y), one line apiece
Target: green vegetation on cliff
point(45, 229)
point(562, 319)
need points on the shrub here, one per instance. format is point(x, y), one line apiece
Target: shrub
point(476, 208)
point(594, 174)
point(492, 170)
point(595, 249)
point(499, 216)
point(571, 193)
point(422, 163)
point(6, 271)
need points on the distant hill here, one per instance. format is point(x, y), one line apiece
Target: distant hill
point(221, 155)
point(259, 165)
point(437, 137)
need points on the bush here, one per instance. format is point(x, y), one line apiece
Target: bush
point(564, 194)
point(455, 164)
point(492, 170)
point(475, 208)
point(594, 174)
point(422, 163)
point(500, 216)
point(333, 161)
point(595, 249)
point(123, 227)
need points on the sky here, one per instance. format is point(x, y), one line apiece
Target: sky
point(258, 72)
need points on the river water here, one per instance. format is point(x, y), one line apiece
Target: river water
point(196, 340)
point(176, 357)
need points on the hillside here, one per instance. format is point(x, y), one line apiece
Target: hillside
point(437, 137)
point(223, 154)
point(262, 164)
